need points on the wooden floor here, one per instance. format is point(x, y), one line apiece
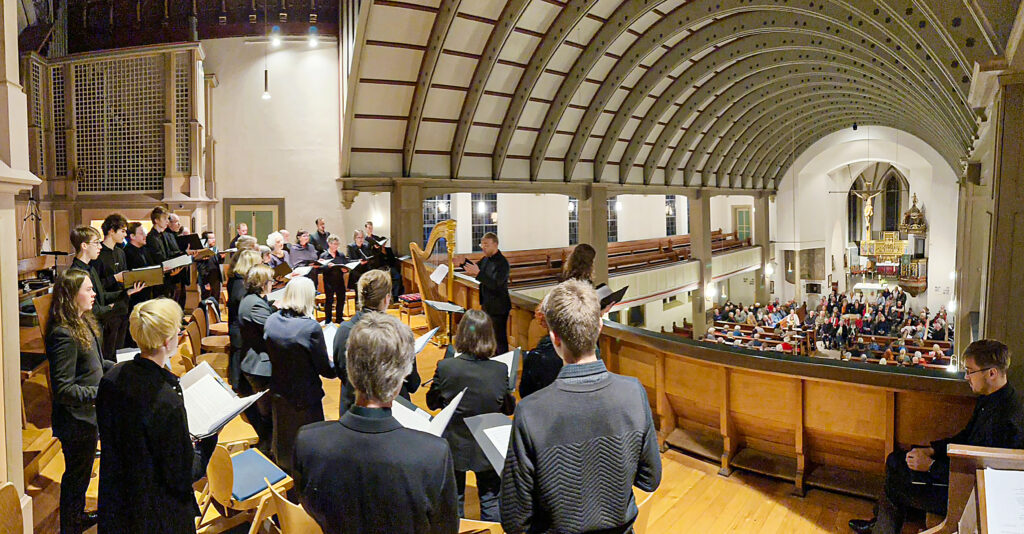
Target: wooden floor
point(692, 496)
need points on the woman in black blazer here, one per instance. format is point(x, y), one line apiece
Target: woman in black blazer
point(486, 384)
point(149, 459)
point(298, 357)
point(246, 260)
point(73, 350)
point(252, 316)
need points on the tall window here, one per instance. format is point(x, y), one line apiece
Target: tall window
point(435, 210)
point(485, 216)
point(613, 219)
point(892, 204)
point(670, 215)
point(574, 220)
point(853, 218)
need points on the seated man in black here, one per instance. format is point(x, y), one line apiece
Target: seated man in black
point(919, 479)
point(366, 472)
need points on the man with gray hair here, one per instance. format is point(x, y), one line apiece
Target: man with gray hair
point(366, 471)
point(579, 445)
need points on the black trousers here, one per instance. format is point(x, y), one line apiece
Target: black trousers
point(260, 415)
point(78, 442)
point(288, 418)
point(115, 330)
point(214, 290)
point(335, 292)
point(488, 486)
point(902, 495)
point(500, 331)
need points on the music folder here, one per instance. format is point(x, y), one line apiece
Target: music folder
point(493, 432)
point(411, 416)
point(189, 241)
point(203, 254)
point(444, 306)
point(607, 296)
point(174, 263)
point(282, 270)
point(276, 294)
point(511, 360)
point(127, 354)
point(210, 404)
point(151, 276)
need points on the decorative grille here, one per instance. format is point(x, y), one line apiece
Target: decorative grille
point(182, 97)
point(60, 166)
point(36, 89)
point(119, 116)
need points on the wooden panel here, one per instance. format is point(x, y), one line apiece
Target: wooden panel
point(633, 362)
point(916, 420)
point(844, 409)
point(691, 410)
point(693, 381)
point(762, 396)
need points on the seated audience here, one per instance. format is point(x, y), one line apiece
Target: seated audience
point(149, 459)
point(366, 472)
point(298, 358)
point(595, 417)
point(374, 295)
point(253, 312)
point(919, 479)
point(486, 385)
point(542, 364)
point(73, 350)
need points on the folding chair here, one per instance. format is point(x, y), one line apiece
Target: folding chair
point(236, 484)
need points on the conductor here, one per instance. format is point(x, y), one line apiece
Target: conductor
point(492, 273)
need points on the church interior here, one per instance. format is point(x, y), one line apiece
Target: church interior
point(800, 219)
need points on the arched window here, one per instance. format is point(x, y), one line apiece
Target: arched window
point(892, 204)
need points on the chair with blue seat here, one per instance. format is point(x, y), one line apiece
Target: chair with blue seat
point(237, 483)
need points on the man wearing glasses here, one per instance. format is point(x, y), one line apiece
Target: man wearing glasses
point(919, 479)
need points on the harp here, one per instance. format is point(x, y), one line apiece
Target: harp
point(438, 250)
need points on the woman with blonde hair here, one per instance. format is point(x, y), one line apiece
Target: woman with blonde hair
point(73, 350)
point(149, 460)
point(247, 259)
point(298, 358)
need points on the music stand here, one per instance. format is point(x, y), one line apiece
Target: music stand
point(448, 308)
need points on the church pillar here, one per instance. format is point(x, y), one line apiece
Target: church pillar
point(14, 177)
point(593, 227)
point(1004, 290)
point(406, 215)
point(761, 239)
point(700, 250)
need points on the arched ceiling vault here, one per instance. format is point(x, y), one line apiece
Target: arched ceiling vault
point(698, 93)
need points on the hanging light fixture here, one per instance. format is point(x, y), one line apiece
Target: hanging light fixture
point(275, 36)
point(266, 84)
point(314, 38)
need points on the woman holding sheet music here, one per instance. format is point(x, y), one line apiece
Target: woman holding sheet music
point(149, 460)
point(253, 313)
point(486, 385)
point(334, 278)
point(298, 357)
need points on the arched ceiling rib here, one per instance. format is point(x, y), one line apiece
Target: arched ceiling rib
point(701, 93)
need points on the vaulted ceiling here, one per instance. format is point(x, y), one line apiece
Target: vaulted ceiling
point(699, 93)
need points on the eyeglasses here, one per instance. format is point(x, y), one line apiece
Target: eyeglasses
point(95, 243)
point(969, 373)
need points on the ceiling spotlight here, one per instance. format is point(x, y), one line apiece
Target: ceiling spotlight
point(313, 37)
point(275, 36)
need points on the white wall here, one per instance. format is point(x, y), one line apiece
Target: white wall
point(527, 221)
point(809, 216)
point(285, 147)
point(641, 217)
point(721, 210)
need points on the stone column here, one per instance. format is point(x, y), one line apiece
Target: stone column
point(406, 214)
point(761, 239)
point(593, 227)
point(1005, 281)
point(14, 177)
point(700, 250)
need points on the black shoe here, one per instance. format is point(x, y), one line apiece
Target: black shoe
point(862, 526)
point(87, 520)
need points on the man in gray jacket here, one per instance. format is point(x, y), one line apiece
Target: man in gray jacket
point(579, 445)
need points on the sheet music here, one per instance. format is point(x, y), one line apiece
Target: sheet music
point(444, 306)
point(300, 271)
point(411, 418)
point(424, 340)
point(439, 273)
point(441, 420)
point(276, 295)
point(330, 332)
point(511, 361)
point(352, 265)
point(1004, 501)
point(492, 432)
point(174, 263)
point(124, 355)
point(209, 404)
point(500, 436)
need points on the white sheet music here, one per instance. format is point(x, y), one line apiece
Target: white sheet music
point(508, 359)
point(1004, 501)
point(275, 295)
point(424, 340)
point(414, 420)
point(439, 273)
point(300, 271)
point(352, 265)
point(174, 263)
point(124, 355)
point(500, 436)
point(330, 331)
point(209, 404)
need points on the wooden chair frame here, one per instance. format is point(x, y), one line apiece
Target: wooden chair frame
point(220, 479)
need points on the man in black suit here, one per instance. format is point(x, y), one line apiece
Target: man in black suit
point(919, 479)
point(137, 256)
point(163, 245)
point(367, 469)
point(243, 229)
point(319, 237)
point(492, 273)
point(110, 265)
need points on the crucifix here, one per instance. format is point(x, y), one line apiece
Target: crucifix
point(868, 196)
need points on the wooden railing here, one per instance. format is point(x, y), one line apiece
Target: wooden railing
point(815, 422)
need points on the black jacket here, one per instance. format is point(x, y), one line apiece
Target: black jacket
point(298, 356)
point(236, 292)
point(109, 303)
point(348, 393)
point(493, 278)
point(367, 473)
point(162, 246)
point(540, 367)
point(75, 373)
point(252, 316)
point(137, 258)
point(997, 421)
point(111, 262)
point(487, 383)
point(208, 270)
point(319, 240)
point(149, 463)
point(333, 276)
point(355, 252)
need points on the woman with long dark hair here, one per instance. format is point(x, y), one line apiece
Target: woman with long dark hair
point(73, 351)
point(580, 264)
